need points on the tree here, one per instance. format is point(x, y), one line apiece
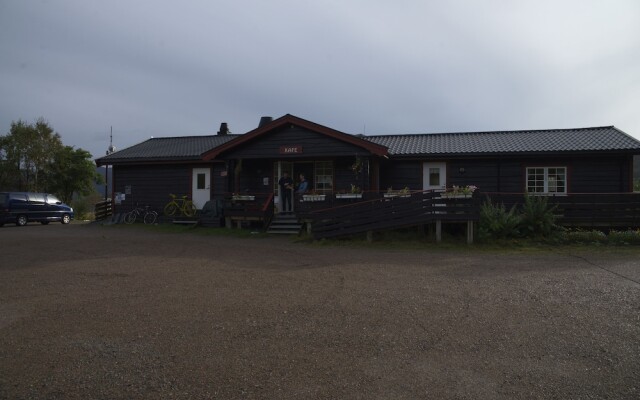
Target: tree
point(27, 153)
point(73, 171)
point(33, 158)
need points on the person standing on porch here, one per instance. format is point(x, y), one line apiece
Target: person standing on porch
point(286, 185)
point(303, 186)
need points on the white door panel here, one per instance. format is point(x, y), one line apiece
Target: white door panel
point(201, 184)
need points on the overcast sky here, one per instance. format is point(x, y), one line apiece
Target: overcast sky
point(175, 68)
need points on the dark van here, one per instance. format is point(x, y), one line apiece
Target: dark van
point(23, 207)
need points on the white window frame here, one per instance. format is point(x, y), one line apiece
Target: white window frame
point(547, 187)
point(323, 177)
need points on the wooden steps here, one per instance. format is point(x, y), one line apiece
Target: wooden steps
point(285, 224)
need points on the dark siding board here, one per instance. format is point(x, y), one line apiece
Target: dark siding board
point(344, 176)
point(313, 145)
point(481, 173)
point(219, 183)
point(252, 174)
point(400, 174)
point(151, 184)
point(599, 175)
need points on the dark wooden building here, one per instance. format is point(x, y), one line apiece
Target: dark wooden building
point(559, 162)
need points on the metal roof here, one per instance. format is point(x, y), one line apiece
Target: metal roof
point(167, 149)
point(542, 141)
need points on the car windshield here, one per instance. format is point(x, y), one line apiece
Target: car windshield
point(3, 198)
point(51, 199)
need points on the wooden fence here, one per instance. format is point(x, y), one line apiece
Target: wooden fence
point(103, 210)
point(400, 211)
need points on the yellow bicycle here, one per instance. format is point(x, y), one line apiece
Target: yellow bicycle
point(183, 205)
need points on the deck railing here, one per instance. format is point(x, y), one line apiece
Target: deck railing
point(103, 210)
point(399, 211)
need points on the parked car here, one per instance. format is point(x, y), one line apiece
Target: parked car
point(23, 207)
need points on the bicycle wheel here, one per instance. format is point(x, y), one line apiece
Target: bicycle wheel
point(171, 208)
point(130, 217)
point(189, 209)
point(150, 217)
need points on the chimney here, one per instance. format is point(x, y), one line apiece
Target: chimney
point(264, 121)
point(224, 129)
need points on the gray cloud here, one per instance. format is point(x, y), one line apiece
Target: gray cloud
point(164, 68)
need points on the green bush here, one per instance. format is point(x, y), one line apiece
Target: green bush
point(538, 218)
point(584, 237)
point(498, 223)
point(624, 237)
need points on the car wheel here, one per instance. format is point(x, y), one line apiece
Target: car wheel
point(44, 222)
point(21, 220)
point(65, 219)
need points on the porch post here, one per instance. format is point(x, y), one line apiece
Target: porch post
point(470, 232)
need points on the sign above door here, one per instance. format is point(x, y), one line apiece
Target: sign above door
point(297, 149)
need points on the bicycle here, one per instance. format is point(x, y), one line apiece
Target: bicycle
point(184, 205)
point(148, 216)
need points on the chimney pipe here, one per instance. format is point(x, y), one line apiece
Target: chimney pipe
point(264, 121)
point(224, 129)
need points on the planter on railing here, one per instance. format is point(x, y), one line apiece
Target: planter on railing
point(348, 195)
point(243, 198)
point(313, 197)
point(388, 195)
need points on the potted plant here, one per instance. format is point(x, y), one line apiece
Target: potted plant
point(354, 193)
point(459, 192)
point(404, 192)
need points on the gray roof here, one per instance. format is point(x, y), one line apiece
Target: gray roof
point(537, 141)
point(167, 149)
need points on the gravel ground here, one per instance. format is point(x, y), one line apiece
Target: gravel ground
point(93, 312)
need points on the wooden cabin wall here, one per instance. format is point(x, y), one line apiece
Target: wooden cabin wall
point(252, 174)
point(219, 181)
point(585, 174)
point(400, 174)
point(344, 176)
point(151, 184)
point(600, 174)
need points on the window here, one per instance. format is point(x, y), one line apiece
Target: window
point(547, 180)
point(323, 176)
point(51, 199)
point(200, 181)
point(434, 176)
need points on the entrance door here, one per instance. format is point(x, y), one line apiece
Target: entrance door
point(434, 176)
point(201, 187)
point(279, 168)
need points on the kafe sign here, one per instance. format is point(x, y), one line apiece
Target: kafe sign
point(291, 149)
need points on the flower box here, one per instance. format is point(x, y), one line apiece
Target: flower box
point(455, 195)
point(396, 195)
point(313, 197)
point(348, 195)
point(243, 198)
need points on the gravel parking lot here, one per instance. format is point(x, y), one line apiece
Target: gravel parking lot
point(97, 312)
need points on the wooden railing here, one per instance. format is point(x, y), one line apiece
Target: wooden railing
point(103, 210)
point(258, 207)
point(390, 213)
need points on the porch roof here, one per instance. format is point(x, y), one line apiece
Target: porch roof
point(604, 138)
